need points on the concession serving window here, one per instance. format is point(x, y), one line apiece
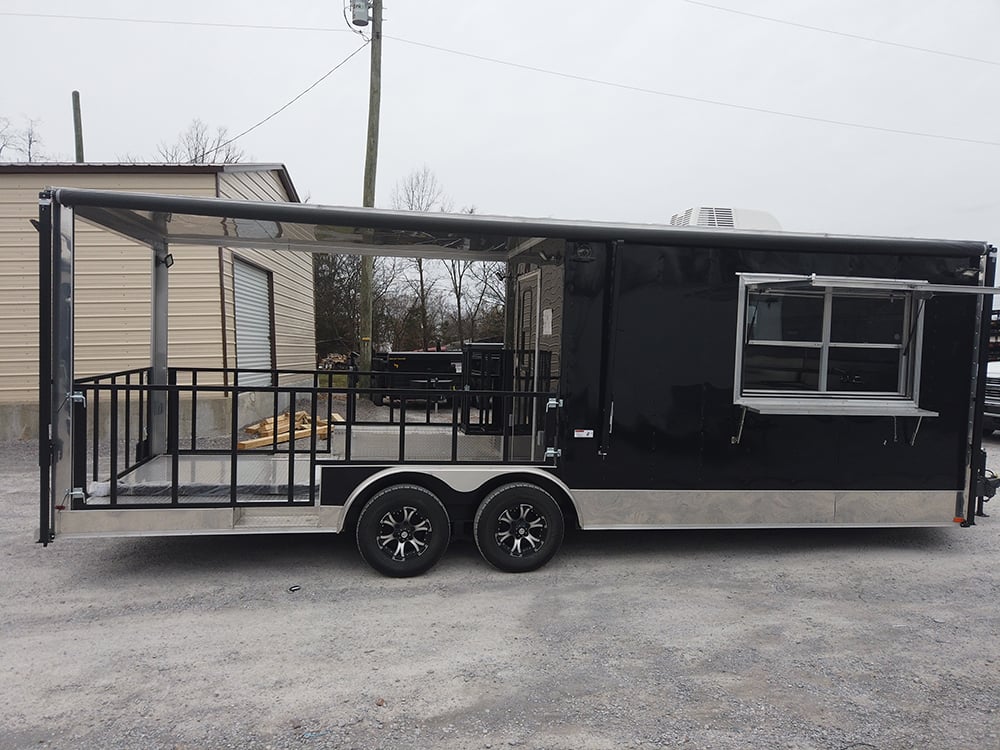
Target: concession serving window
point(832, 345)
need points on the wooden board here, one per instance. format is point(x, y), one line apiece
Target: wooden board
point(284, 437)
point(267, 427)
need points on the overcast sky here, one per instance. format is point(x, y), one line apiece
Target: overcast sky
point(515, 141)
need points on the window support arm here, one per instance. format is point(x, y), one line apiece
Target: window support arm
point(735, 439)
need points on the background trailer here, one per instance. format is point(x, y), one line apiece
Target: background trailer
point(660, 377)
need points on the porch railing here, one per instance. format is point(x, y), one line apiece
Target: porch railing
point(126, 421)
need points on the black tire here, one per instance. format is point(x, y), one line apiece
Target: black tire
point(518, 527)
point(403, 530)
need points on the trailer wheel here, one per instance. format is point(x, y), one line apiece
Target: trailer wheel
point(403, 530)
point(518, 527)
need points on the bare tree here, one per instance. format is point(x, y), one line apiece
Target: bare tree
point(31, 140)
point(8, 138)
point(475, 289)
point(338, 320)
point(336, 299)
point(385, 302)
point(25, 141)
point(492, 278)
point(488, 295)
point(198, 145)
point(420, 191)
point(468, 284)
point(399, 325)
point(423, 286)
point(478, 291)
point(457, 271)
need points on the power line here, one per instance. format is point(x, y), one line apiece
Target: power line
point(165, 22)
point(290, 102)
point(845, 34)
point(570, 76)
point(701, 100)
point(328, 29)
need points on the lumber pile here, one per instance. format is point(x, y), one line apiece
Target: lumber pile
point(300, 425)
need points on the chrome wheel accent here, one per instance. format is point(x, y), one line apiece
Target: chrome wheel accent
point(521, 530)
point(403, 533)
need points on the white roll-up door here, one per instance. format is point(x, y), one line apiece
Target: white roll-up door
point(252, 293)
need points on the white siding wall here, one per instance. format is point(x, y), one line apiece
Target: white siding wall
point(294, 326)
point(112, 289)
point(18, 294)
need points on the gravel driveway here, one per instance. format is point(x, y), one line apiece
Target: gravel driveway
point(827, 639)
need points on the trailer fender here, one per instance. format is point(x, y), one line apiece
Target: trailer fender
point(464, 479)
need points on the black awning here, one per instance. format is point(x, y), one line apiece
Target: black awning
point(218, 222)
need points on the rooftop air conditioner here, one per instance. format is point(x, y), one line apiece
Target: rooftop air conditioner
point(726, 218)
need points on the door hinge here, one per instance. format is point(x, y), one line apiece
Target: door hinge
point(553, 453)
point(553, 403)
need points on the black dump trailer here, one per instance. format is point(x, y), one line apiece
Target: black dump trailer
point(654, 377)
point(393, 372)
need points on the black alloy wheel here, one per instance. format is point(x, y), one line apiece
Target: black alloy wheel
point(518, 527)
point(403, 530)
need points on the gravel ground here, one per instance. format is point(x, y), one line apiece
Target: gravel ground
point(830, 639)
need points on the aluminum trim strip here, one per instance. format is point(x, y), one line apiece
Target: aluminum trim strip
point(628, 509)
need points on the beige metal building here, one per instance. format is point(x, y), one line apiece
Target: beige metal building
point(228, 308)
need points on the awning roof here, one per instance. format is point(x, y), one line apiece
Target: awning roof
point(217, 222)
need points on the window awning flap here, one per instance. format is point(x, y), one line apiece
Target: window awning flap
point(767, 282)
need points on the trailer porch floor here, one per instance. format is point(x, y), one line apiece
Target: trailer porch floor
point(263, 476)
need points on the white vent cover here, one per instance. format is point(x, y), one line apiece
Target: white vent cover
point(726, 218)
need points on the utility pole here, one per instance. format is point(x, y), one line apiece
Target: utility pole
point(78, 127)
point(371, 162)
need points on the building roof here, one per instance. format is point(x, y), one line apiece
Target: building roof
point(60, 167)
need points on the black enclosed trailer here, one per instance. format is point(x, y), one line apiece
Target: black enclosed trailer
point(660, 377)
